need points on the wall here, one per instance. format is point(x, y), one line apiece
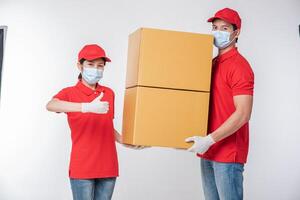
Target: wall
point(43, 39)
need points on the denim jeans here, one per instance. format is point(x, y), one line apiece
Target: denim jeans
point(222, 181)
point(92, 189)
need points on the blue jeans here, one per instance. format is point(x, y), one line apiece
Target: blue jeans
point(222, 181)
point(93, 189)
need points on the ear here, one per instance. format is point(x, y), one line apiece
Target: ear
point(79, 66)
point(238, 31)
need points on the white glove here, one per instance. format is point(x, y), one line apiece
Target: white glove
point(201, 144)
point(96, 106)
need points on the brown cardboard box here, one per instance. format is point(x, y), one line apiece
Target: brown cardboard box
point(167, 87)
point(163, 117)
point(169, 59)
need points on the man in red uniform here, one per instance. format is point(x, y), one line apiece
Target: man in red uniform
point(224, 150)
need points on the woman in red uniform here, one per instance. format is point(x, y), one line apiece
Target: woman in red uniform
point(90, 110)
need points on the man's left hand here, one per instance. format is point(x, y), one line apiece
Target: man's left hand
point(201, 144)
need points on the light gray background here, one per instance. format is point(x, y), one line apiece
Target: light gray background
point(43, 40)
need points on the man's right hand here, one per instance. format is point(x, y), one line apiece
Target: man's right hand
point(96, 106)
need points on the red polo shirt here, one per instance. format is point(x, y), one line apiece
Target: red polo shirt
point(93, 152)
point(231, 76)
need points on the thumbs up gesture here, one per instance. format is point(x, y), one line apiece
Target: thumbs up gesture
point(96, 106)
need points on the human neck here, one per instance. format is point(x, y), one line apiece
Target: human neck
point(93, 86)
point(222, 51)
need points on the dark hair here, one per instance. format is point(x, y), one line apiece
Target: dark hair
point(234, 29)
point(81, 62)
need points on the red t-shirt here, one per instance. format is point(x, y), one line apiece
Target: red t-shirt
point(93, 152)
point(231, 76)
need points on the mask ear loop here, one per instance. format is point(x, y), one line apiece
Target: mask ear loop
point(229, 42)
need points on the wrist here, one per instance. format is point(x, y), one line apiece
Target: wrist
point(119, 139)
point(212, 138)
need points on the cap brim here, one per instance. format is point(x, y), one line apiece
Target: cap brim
point(222, 18)
point(93, 58)
point(211, 19)
point(107, 59)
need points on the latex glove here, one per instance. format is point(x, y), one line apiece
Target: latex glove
point(201, 144)
point(96, 106)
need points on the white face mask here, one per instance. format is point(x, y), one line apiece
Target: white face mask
point(92, 75)
point(222, 39)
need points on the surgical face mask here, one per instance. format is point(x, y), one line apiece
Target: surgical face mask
point(92, 75)
point(222, 39)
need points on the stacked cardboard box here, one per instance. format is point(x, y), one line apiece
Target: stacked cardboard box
point(167, 87)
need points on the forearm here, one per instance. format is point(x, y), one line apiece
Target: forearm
point(230, 126)
point(56, 105)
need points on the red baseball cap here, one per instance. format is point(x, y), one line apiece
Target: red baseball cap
point(92, 52)
point(228, 15)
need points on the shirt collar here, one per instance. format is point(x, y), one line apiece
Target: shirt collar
point(86, 90)
point(225, 56)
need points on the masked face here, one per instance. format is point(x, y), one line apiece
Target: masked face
point(224, 33)
point(92, 71)
point(222, 39)
point(92, 75)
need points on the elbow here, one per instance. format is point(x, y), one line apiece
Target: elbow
point(248, 117)
point(245, 118)
point(49, 106)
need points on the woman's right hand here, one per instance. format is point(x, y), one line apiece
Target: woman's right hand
point(96, 106)
point(136, 147)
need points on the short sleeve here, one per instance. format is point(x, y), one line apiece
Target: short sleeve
point(242, 80)
point(62, 95)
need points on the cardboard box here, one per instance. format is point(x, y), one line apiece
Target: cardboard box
point(169, 59)
point(167, 87)
point(163, 117)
